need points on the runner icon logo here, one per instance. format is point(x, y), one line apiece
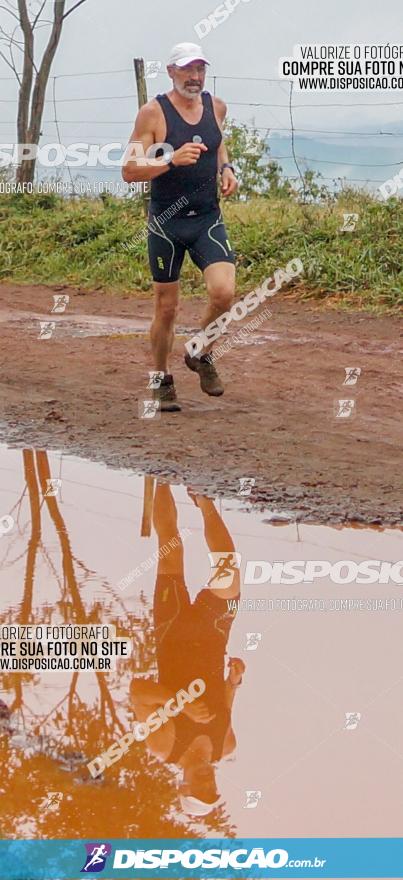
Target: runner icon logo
point(51, 802)
point(352, 375)
point(224, 564)
point(344, 409)
point(349, 222)
point(155, 379)
point(60, 303)
point(149, 409)
point(97, 854)
point(52, 488)
point(246, 485)
point(47, 328)
point(252, 799)
point(352, 720)
point(252, 641)
point(152, 69)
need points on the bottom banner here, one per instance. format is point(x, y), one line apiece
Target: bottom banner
point(216, 857)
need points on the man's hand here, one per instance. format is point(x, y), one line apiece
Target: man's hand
point(198, 712)
point(189, 154)
point(229, 183)
point(236, 670)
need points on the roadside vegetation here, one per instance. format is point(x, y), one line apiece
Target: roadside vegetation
point(100, 243)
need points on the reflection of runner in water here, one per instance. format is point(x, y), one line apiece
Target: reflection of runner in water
point(191, 643)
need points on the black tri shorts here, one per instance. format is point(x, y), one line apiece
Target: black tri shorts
point(203, 235)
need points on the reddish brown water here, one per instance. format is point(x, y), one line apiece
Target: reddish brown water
point(62, 563)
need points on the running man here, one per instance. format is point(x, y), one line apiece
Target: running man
point(184, 209)
point(191, 639)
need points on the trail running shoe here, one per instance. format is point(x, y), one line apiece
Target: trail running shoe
point(210, 381)
point(166, 395)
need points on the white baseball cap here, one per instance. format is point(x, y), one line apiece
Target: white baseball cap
point(184, 53)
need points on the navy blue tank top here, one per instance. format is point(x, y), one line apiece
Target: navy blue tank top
point(186, 732)
point(197, 182)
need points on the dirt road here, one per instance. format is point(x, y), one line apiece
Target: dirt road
point(79, 391)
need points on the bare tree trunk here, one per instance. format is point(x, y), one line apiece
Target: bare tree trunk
point(27, 73)
point(29, 124)
point(33, 546)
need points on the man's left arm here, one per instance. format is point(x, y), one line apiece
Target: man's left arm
point(229, 183)
point(234, 680)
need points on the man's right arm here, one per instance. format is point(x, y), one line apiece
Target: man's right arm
point(135, 167)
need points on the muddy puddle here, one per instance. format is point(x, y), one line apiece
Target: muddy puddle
point(61, 327)
point(66, 327)
point(303, 681)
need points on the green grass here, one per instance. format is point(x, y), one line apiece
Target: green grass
point(45, 239)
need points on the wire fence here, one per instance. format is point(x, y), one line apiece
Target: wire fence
point(290, 133)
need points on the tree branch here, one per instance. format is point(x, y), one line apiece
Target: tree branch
point(38, 15)
point(15, 66)
point(9, 38)
point(73, 8)
point(10, 65)
point(6, 9)
point(21, 47)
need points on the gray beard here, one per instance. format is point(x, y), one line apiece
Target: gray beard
point(184, 93)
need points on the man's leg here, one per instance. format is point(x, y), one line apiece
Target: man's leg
point(163, 325)
point(220, 283)
point(162, 338)
point(212, 603)
point(218, 540)
point(166, 252)
point(171, 596)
